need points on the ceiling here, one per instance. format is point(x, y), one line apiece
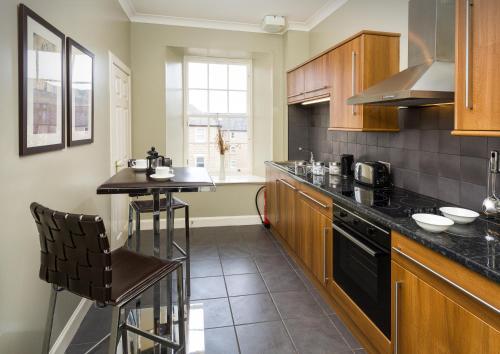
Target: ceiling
point(236, 15)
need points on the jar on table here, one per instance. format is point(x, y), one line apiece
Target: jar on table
point(334, 168)
point(318, 168)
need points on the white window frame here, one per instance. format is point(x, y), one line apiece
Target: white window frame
point(197, 156)
point(220, 60)
point(205, 135)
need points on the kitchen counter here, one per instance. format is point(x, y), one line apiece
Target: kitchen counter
point(475, 246)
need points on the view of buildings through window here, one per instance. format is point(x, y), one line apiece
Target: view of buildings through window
point(218, 96)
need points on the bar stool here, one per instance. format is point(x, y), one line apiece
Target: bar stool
point(75, 256)
point(138, 207)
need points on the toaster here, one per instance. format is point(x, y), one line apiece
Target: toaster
point(373, 174)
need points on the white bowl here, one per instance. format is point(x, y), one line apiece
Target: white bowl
point(432, 223)
point(459, 215)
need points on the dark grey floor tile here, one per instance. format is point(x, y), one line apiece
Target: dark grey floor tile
point(231, 266)
point(209, 313)
point(245, 284)
point(94, 326)
point(234, 251)
point(327, 309)
point(316, 335)
point(271, 263)
point(206, 268)
point(353, 342)
point(297, 304)
point(283, 280)
point(204, 252)
point(208, 288)
point(253, 308)
point(102, 348)
point(264, 338)
point(262, 248)
point(213, 341)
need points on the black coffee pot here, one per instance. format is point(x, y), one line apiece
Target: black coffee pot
point(154, 159)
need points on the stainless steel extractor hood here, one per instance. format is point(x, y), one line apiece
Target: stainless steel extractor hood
point(430, 77)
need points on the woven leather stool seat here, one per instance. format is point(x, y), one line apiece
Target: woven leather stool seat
point(133, 273)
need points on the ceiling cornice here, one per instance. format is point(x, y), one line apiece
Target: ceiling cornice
point(134, 16)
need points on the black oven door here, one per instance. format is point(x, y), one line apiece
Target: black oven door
point(363, 271)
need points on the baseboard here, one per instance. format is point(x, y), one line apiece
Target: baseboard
point(214, 221)
point(68, 332)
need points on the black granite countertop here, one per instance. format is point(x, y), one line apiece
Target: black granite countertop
point(476, 246)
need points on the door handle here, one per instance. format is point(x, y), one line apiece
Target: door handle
point(313, 200)
point(446, 280)
point(353, 80)
point(468, 53)
point(325, 278)
point(358, 243)
point(287, 184)
point(397, 289)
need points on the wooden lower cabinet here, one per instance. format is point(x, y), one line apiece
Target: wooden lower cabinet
point(313, 230)
point(429, 322)
point(286, 196)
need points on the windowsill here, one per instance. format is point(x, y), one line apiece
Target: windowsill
point(238, 180)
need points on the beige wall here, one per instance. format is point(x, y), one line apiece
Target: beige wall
point(156, 115)
point(64, 180)
point(357, 15)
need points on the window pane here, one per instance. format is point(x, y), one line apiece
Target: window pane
point(198, 75)
point(218, 76)
point(237, 102)
point(197, 101)
point(237, 77)
point(218, 101)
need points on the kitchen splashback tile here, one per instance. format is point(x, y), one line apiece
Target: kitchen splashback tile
point(473, 146)
point(424, 150)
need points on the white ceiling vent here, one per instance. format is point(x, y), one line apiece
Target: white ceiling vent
point(274, 24)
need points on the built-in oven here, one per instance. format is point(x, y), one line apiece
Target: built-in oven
point(362, 264)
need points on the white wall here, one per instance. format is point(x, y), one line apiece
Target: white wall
point(64, 180)
point(357, 15)
point(156, 117)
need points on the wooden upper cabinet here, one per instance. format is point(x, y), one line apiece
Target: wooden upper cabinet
point(356, 65)
point(295, 85)
point(477, 79)
point(317, 78)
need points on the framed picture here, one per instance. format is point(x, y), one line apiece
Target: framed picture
point(80, 64)
point(41, 84)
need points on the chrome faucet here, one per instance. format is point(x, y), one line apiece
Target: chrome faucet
point(311, 158)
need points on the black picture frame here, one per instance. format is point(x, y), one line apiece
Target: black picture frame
point(72, 138)
point(32, 139)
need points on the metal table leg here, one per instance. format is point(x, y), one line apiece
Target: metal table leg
point(169, 254)
point(156, 253)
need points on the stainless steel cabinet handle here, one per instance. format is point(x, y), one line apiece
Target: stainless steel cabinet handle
point(277, 199)
point(449, 282)
point(314, 200)
point(353, 79)
point(288, 184)
point(397, 288)
point(358, 243)
point(324, 255)
point(468, 53)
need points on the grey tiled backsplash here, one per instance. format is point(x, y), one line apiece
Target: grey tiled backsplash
point(424, 156)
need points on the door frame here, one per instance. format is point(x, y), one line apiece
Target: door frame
point(115, 61)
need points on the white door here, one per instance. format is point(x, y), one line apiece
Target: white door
point(120, 137)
